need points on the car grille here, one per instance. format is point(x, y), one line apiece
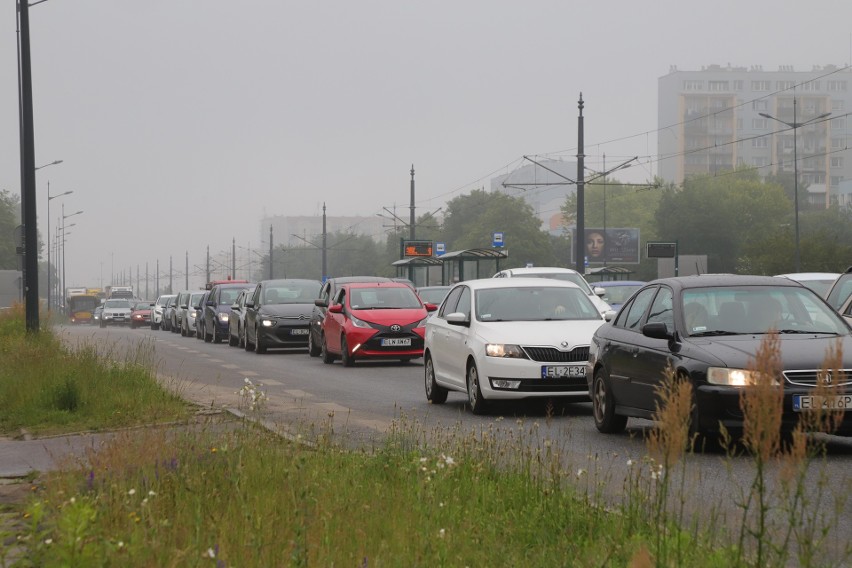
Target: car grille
point(809, 378)
point(553, 355)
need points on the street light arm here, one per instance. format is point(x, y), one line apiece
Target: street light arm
point(53, 163)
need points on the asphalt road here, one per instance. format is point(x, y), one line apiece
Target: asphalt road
point(363, 403)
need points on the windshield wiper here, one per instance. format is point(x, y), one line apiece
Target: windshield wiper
point(713, 332)
point(809, 332)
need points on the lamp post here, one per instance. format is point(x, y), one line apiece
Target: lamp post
point(795, 126)
point(49, 199)
point(64, 216)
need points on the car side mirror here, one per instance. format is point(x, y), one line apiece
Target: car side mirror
point(609, 315)
point(249, 304)
point(336, 309)
point(430, 307)
point(458, 318)
point(321, 303)
point(235, 306)
point(599, 291)
point(656, 330)
point(209, 303)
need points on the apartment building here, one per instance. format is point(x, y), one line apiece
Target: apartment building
point(722, 117)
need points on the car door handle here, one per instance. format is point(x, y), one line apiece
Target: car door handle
point(635, 352)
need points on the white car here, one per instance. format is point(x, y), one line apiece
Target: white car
point(510, 339)
point(116, 312)
point(565, 274)
point(819, 282)
point(157, 310)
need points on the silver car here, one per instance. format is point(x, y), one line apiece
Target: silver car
point(116, 312)
point(187, 324)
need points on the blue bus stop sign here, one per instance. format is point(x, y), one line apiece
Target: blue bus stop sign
point(497, 239)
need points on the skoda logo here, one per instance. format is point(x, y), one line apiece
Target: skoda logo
point(396, 327)
point(564, 344)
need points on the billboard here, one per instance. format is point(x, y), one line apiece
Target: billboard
point(612, 246)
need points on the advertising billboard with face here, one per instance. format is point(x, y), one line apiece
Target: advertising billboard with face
point(612, 246)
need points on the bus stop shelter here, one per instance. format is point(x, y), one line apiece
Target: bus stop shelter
point(470, 264)
point(609, 273)
point(422, 270)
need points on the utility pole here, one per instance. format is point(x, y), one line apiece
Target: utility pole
point(171, 274)
point(186, 280)
point(270, 252)
point(158, 277)
point(207, 270)
point(234, 258)
point(580, 237)
point(28, 190)
point(411, 216)
point(324, 241)
point(147, 297)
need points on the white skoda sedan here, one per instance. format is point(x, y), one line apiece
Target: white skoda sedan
point(509, 339)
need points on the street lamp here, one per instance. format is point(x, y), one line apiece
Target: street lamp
point(53, 163)
point(795, 126)
point(49, 199)
point(64, 216)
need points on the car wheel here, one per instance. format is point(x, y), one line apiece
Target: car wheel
point(435, 393)
point(207, 337)
point(259, 347)
point(603, 405)
point(153, 326)
point(232, 341)
point(241, 337)
point(132, 326)
point(327, 357)
point(103, 325)
point(313, 348)
point(345, 357)
point(184, 331)
point(474, 392)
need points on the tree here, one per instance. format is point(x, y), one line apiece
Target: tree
point(471, 219)
point(720, 216)
point(10, 218)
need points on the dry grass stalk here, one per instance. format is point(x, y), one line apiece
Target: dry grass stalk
point(671, 438)
point(762, 401)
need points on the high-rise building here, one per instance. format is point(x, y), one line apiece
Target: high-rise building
point(721, 117)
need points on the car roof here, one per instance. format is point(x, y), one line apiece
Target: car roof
point(519, 282)
point(537, 270)
point(811, 275)
point(388, 284)
point(610, 283)
point(285, 280)
point(721, 280)
point(351, 279)
point(447, 287)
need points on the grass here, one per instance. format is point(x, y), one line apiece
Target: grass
point(500, 496)
point(46, 389)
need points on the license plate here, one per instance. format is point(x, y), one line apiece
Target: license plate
point(299, 331)
point(563, 371)
point(803, 402)
point(396, 342)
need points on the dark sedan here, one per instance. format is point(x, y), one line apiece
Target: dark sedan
point(708, 329)
point(278, 314)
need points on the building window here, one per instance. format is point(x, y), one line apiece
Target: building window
point(810, 86)
point(760, 85)
point(759, 123)
point(837, 162)
point(837, 86)
point(838, 124)
point(738, 85)
point(761, 104)
point(759, 162)
point(739, 124)
point(837, 143)
point(838, 104)
point(761, 142)
point(784, 85)
point(693, 85)
point(717, 85)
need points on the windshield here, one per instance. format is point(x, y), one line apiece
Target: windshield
point(117, 304)
point(842, 289)
point(291, 293)
point(82, 303)
point(383, 298)
point(229, 295)
point(529, 303)
point(573, 277)
point(732, 310)
point(619, 294)
point(434, 295)
point(195, 299)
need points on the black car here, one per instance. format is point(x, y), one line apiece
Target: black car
point(216, 309)
point(199, 316)
point(329, 289)
point(708, 329)
point(236, 321)
point(278, 314)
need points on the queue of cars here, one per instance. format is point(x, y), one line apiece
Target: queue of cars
point(541, 333)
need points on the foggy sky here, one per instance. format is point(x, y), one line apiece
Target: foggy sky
point(181, 124)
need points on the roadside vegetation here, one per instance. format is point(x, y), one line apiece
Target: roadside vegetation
point(500, 496)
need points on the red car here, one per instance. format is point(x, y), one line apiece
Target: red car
point(141, 314)
point(374, 320)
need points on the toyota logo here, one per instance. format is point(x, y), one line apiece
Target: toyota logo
point(396, 327)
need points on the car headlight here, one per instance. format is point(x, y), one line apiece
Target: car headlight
point(267, 322)
point(359, 323)
point(223, 318)
point(422, 323)
point(734, 377)
point(504, 350)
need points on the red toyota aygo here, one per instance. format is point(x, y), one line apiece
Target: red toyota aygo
point(375, 320)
